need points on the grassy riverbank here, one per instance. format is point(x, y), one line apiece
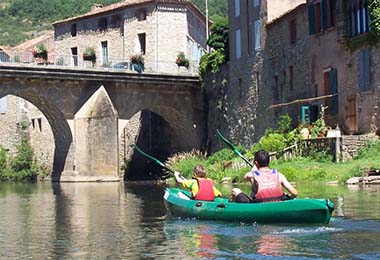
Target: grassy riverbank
point(299, 169)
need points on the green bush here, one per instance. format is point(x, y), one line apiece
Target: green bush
point(284, 124)
point(273, 142)
point(23, 165)
point(3, 160)
point(222, 155)
point(370, 150)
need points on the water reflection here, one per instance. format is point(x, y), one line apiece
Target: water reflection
point(127, 221)
point(272, 245)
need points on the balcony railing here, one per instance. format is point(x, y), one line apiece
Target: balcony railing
point(113, 64)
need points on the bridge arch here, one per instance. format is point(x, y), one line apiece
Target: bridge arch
point(58, 124)
point(61, 94)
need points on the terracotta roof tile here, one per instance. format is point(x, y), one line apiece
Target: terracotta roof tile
point(33, 42)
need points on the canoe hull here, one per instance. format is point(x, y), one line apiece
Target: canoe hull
point(290, 211)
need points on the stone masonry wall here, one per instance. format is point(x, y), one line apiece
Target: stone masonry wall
point(282, 56)
point(351, 144)
point(24, 119)
point(10, 129)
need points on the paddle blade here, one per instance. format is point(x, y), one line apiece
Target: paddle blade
point(152, 158)
point(232, 147)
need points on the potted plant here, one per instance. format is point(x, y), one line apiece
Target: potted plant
point(90, 55)
point(137, 61)
point(40, 52)
point(182, 60)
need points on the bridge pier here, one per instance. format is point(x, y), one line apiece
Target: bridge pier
point(95, 140)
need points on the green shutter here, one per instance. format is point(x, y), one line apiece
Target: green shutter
point(305, 114)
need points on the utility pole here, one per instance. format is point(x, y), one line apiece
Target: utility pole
point(208, 49)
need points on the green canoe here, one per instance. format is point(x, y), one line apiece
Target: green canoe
point(179, 204)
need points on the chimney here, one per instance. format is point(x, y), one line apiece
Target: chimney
point(95, 7)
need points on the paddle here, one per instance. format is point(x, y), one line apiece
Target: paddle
point(156, 160)
point(232, 147)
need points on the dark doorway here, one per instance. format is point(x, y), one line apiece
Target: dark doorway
point(154, 139)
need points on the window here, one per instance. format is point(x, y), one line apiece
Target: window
point(256, 3)
point(358, 19)
point(74, 56)
point(291, 80)
point(364, 71)
point(293, 31)
point(256, 34)
point(104, 51)
point(141, 14)
point(39, 120)
point(331, 88)
point(238, 44)
point(237, 8)
point(74, 30)
point(321, 15)
point(142, 42)
point(3, 105)
point(102, 24)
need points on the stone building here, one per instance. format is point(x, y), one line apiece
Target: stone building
point(24, 51)
point(250, 93)
point(294, 57)
point(158, 30)
point(23, 120)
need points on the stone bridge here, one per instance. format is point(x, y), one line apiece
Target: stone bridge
point(87, 110)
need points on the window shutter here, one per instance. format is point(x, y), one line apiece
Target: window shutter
point(333, 87)
point(332, 11)
point(364, 71)
point(305, 113)
point(323, 15)
point(311, 19)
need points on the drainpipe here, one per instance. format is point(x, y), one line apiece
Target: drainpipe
point(156, 52)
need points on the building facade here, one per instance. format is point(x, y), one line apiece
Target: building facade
point(297, 58)
point(157, 30)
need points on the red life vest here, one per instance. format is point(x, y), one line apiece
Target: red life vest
point(205, 189)
point(269, 187)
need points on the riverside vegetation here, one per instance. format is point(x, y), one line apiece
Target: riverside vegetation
point(21, 167)
point(315, 165)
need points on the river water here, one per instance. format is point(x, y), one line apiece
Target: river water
point(127, 221)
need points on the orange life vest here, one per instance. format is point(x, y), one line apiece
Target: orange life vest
point(269, 187)
point(205, 189)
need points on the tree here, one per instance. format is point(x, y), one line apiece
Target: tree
point(219, 42)
point(219, 39)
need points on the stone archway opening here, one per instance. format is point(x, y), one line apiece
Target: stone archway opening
point(153, 134)
point(22, 119)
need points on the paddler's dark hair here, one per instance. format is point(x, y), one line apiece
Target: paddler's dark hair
point(262, 158)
